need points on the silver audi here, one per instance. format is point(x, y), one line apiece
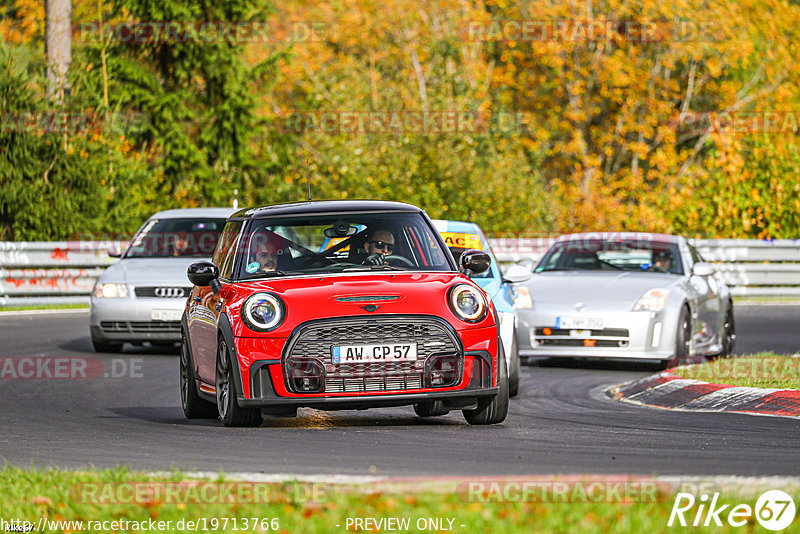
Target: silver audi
point(142, 296)
point(624, 295)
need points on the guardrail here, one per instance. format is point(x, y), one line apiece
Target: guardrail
point(43, 273)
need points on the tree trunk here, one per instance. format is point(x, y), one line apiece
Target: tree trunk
point(58, 44)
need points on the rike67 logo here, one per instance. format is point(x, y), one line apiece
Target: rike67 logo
point(774, 510)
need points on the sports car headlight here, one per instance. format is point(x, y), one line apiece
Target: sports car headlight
point(653, 300)
point(263, 312)
point(110, 291)
point(467, 303)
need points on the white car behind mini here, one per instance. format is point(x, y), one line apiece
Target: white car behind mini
point(141, 297)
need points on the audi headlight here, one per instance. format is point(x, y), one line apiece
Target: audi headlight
point(467, 303)
point(263, 312)
point(110, 291)
point(653, 300)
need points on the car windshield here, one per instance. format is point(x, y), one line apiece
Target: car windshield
point(339, 243)
point(169, 238)
point(612, 255)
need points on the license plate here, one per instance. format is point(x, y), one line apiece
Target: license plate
point(394, 352)
point(166, 315)
point(593, 323)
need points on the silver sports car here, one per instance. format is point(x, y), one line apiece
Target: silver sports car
point(624, 295)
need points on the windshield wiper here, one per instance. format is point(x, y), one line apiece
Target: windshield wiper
point(562, 269)
point(277, 272)
point(383, 267)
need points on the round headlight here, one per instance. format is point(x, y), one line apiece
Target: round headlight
point(467, 303)
point(263, 312)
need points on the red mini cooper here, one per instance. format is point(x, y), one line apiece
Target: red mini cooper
point(339, 305)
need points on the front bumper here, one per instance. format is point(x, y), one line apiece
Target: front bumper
point(132, 319)
point(476, 382)
point(625, 335)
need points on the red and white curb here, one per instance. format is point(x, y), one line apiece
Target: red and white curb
point(668, 390)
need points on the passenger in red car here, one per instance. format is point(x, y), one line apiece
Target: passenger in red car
point(268, 246)
point(267, 257)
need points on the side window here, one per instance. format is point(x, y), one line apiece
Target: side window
point(225, 252)
point(696, 258)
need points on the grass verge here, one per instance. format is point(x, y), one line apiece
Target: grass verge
point(95, 498)
point(762, 370)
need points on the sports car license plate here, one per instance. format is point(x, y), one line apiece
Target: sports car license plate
point(166, 315)
point(593, 323)
point(394, 352)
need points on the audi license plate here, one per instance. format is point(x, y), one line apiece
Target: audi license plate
point(391, 352)
point(593, 323)
point(166, 315)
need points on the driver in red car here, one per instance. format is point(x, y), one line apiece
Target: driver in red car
point(380, 243)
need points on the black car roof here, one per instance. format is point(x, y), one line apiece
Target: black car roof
point(323, 207)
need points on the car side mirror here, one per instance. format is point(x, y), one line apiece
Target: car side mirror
point(114, 251)
point(203, 274)
point(517, 273)
point(703, 269)
point(474, 261)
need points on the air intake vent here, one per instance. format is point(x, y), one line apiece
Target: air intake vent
point(368, 298)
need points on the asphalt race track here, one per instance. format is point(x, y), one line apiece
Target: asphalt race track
point(561, 423)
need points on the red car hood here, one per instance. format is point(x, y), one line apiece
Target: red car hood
point(317, 297)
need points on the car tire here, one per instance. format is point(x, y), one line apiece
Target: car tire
point(105, 346)
point(228, 409)
point(515, 370)
point(683, 337)
point(728, 334)
point(193, 406)
point(492, 410)
point(430, 409)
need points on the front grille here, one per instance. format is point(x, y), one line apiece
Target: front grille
point(314, 341)
point(380, 383)
point(141, 327)
point(606, 332)
point(173, 292)
point(564, 337)
point(579, 342)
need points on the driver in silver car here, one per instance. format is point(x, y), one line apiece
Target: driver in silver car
point(662, 261)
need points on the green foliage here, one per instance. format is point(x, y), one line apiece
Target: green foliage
point(46, 191)
point(186, 122)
